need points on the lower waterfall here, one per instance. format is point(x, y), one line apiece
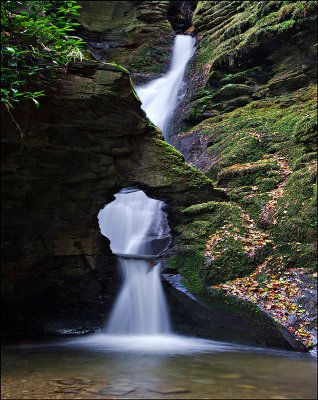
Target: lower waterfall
point(138, 232)
point(140, 308)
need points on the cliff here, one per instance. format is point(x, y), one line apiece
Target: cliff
point(89, 140)
point(249, 121)
point(242, 208)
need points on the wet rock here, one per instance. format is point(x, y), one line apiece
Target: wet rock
point(166, 389)
point(135, 34)
point(71, 166)
point(117, 389)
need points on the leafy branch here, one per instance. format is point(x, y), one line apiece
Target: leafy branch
point(35, 39)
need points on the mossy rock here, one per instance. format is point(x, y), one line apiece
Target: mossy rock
point(232, 90)
point(306, 132)
point(197, 224)
point(247, 174)
point(295, 231)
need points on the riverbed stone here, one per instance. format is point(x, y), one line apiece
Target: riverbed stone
point(167, 389)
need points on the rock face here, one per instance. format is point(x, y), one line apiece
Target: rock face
point(131, 33)
point(250, 114)
point(249, 121)
point(247, 100)
point(248, 51)
point(226, 319)
point(89, 140)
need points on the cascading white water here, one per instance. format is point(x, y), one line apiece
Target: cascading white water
point(140, 308)
point(134, 223)
point(138, 230)
point(159, 97)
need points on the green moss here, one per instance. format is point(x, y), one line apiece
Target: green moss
point(252, 23)
point(296, 10)
point(302, 161)
point(167, 150)
point(239, 77)
point(213, 297)
point(231, 90)
point(268, 184)
point(295, 231)
point(261, 127)
point(249, 174)
point(253, 204)
point(305, 131)
point(239, 141)
point(198, 223)
point(231, 264)
point(152, 57)
point(133, 90)
point(214, 213)
point(188, 264)
point(119, 67)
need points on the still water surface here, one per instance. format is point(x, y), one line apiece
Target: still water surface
point(81, 369)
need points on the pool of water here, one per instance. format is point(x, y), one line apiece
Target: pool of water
point(166, 367)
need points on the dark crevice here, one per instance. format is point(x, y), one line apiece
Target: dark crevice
point(180, 14)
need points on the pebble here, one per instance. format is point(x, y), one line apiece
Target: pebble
point(66, 390)
point(84, 381)
point(118, 390)
point(92, 390)
point(168, 390)
point(65, 382)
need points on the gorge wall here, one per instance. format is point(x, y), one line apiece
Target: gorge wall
point(247, 121)
point(89, 140)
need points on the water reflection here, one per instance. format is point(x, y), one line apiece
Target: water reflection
point(70, 369)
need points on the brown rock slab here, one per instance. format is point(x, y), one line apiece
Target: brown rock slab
point(166, 389)
point(117, 390)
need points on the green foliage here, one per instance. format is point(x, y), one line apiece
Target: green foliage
point(35, 38)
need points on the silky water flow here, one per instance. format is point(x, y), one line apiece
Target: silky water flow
point(138, 231)
point(160, 96)
point(136, 225)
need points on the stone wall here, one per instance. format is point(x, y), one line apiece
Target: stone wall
point(88, 140)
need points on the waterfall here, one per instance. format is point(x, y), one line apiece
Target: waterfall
point(138, 232)
point(136, 225)
point(159, 97)
point(140, 308)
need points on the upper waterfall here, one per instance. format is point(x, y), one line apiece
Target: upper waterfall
point(159, 97)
